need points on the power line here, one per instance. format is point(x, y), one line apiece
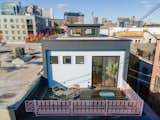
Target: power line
point(150, 12)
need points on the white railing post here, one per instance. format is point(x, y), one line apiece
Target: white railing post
point(106, 107)
point(35, 108)
point(71, 107)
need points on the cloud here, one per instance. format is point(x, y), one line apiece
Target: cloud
point(147, 3)
point(61, 5)
point(144, 2)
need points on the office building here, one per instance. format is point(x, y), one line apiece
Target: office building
point(123, 22)
point(129, 22)
point(58, 22)
point(10, 8)
point(15, 28)
point(104, 20)
point(47, 13)
point(34, 10)
point(95, 20)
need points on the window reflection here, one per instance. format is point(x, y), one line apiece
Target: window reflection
point(105, 70)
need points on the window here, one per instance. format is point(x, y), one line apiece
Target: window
point(150, 40)
point(6, 32)
point(24, 32)
point(22, 20)
point(76, 32)
point(17, 26)
point(66, 59)
point(17, 20)
point(11, 20)
point(12, 26)
point(7, 37)
point(79, 59)
point(105, 70)
point(29, 22)
point(5, 20)
point(90, 32)
point(13, 38)
point(23, 26)
point(136, 41)
point(18, 32)
point(5, 26)
point(54, 60)
point(12, 32)
point(19, 38)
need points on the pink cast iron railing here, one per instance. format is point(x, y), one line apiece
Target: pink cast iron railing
point(131, 107)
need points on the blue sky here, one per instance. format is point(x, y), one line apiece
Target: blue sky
point(110, 9)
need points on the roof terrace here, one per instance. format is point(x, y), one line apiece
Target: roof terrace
point(95, 102)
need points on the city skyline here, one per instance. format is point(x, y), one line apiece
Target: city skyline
point(111, 8)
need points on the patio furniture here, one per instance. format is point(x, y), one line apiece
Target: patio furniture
point(71, 93)
point(66, 93)
point(58, 90)
point(107, 94)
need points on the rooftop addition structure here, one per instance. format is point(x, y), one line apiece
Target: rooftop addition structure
point(87, 76)
point(74, 17)
point(83, 30)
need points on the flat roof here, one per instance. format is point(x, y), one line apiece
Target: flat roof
point(14, 86)
point(84, 25)
point(17, 82)
point(92, 38)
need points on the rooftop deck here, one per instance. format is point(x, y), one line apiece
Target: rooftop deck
point(132, 106)
point(87, 94)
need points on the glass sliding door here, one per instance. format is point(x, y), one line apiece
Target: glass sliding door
point(110, 71)
point(97, 67)
point(105, 70)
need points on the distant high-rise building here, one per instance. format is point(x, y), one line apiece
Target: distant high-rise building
point(95, 20)
point(123, 22)
point(15, 28)
point(48, 13)
point(104, 20)
point(10, 8)
point(34, 10)
point(129, 22)
point(74, 17)
point(59, 22)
